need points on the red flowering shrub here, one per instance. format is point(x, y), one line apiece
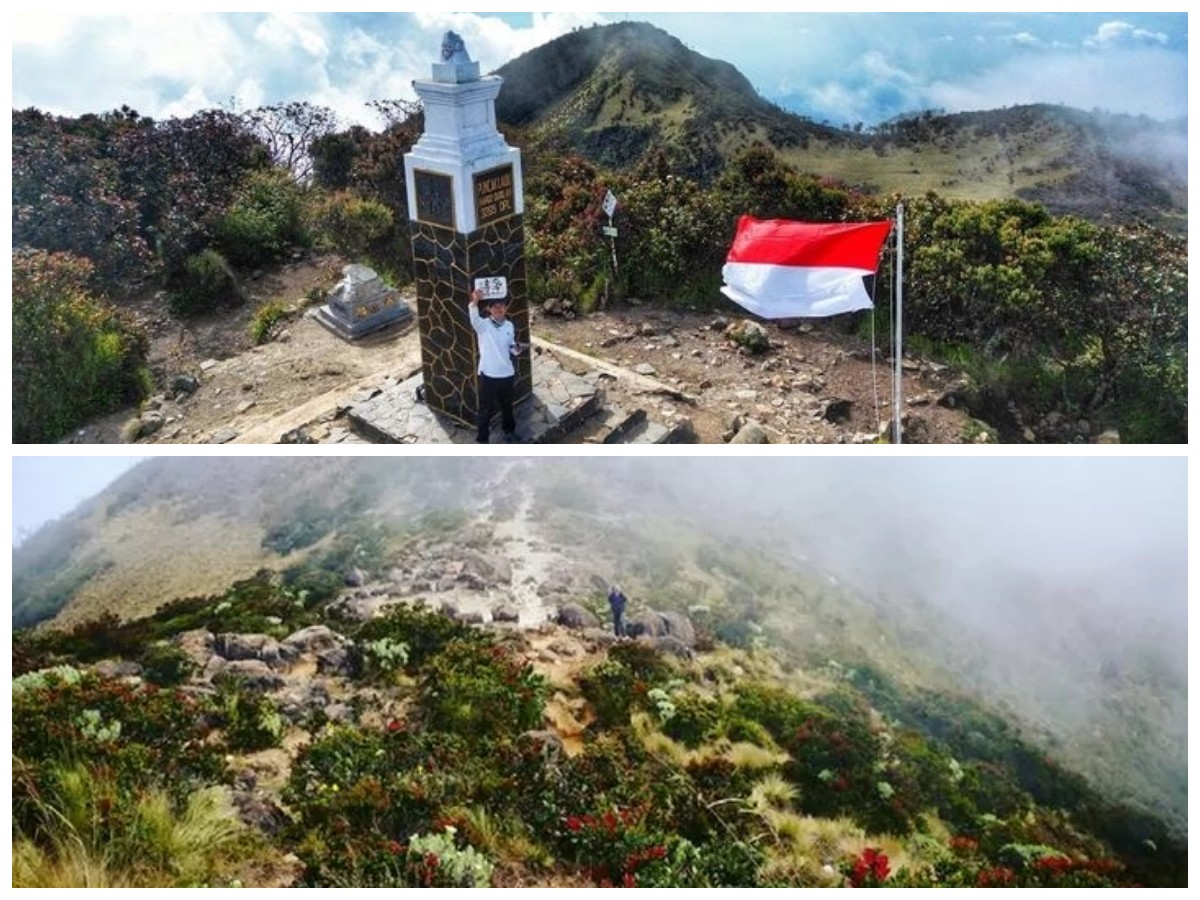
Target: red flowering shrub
point(481, 693)
point(997, 876)
point(137, 736)
point(871, 869)
point(615, 847)
point(962, 845)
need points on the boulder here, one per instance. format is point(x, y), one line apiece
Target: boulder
point(669, 644)
point(254, 673)
point(343, 660)
point(258, 810)
point(301, 699)
point(361, 609)
point(572, 615)
point(339, 712)
point(117, 668)
point(486, 568)
point(750, 433)
point(312, 640)
point(679, 626)
point(505, 612)
point(241, 646)
point(645, 624)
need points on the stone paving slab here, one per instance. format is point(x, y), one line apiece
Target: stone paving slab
point(560, 402)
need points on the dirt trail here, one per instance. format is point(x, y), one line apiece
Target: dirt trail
point(531, 563)
point(816, 383)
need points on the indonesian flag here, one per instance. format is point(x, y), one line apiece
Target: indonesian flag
point(781, 269)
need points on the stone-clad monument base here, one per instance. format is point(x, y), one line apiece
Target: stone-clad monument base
point(442, 260)
point(556, 403)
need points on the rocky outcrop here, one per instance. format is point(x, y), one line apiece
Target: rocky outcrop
point(645, 624)
point(117, 668)
point(197, 644)
point(505, 612)
point(313, 640)
point(255, 674)
point(572, 615)
point(669, 644)
point(248, 646)
point(680, 627)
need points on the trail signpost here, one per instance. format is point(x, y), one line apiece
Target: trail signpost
point(610, 232)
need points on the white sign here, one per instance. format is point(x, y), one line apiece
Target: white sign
point(492, 288)
point(609, 232)
point(610, 204)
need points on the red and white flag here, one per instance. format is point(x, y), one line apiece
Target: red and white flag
point(781, 269)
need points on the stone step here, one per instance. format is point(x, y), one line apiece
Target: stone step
point(560, 403)
point(610, 425)
point(626, 425)
point(650, 433)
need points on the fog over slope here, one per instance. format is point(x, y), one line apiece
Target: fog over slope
point(1054, 586)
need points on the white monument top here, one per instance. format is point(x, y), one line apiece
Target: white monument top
point(460, 142)
point(456, 66)
point(357, 273)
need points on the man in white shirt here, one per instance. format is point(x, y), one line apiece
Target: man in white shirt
point(498, 350)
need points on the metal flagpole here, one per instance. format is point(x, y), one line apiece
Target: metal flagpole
point(899, 346)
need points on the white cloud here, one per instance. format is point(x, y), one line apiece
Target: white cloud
point(878, 68)
point(1146, 81)
point(193, 101)
point(1122, 34)
point(1023, 39)
point(41, 29)
point(160, 63)
point(283, 31)
point(493, 42)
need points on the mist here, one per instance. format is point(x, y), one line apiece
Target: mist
point(1052, 588)
point(1022, 550)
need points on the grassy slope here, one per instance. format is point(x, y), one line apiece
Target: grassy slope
point(171, 549)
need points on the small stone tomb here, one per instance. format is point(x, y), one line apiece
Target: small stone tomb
point(361, 304)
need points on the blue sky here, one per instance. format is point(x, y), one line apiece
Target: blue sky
point(46, 487)
point(837, 67)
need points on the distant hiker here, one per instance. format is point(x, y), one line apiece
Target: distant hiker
point(617, 602)
point(498, 348)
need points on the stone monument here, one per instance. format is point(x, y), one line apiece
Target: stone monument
point(361, 304)
point(466, 210)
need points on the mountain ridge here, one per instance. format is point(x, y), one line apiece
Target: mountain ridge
point(619, 93)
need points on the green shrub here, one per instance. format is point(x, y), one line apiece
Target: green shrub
point(266, 317)
point(91, 831)
point(358, 795)
point(251, 721)
point(352, 225)
point(312, 584)
point(256, 605)
point(206, 285)
point(74, 357)
point(612, 689)
point(480, 693)
point(695, 720)
point(165, 665)
point(439, 862)
point(142, 737)
point(424, 632)
point(384, 656)
point(264, 220)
